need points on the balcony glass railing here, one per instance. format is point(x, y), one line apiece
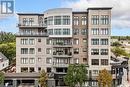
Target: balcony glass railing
point(32, 25)
point(31, 34)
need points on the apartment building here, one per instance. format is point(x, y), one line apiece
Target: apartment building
point(59, 37)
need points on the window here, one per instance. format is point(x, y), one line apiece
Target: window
point(48, 60)
point(84, 49)
point(84, 59)
point(39, 40)
point(104, 51)
point(104, 41)
point(94, 51)
point(39, 69)
point(104, 61)
point(84, 31)
point(76, 60)
point(76, 41)
point(84, 20)
point(57, 20)
point(24, 69)
point(57, 31)
point(31, 20)
point(39, 59)
point(104, 31)
point(24, 41)
point(76, 20)
point(85, 41)
point(50, 31)
point(24, 50)
point(95, 61)
point(48, 51)
point(39, 49)
point(48, 41)
point(48, 70)
point(95, 41)
point(31, 51)
point(66, 20)
point(75, 31)
point(31, 69)
point(104, 19)
point(95, 71)
point(95, 19)
point(66, 31)
point(76, 50)
point(25, 21)
point(31, 60)
point(95, 31)
point(31, 41)
point(24, 60)
point(50, 20)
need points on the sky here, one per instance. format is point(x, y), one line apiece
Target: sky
point(120, 12)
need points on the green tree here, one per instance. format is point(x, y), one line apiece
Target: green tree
point(116, 44)
point(104, 78)
point(9, 50)
point(119, 51)
point(76, 74)
point(43, 78)
point(2, 77)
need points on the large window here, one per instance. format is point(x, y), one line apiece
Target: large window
point(66, 20)
point(95, 61)
point(84, 41)
point(57, 20)
point(50, 20)
point(94, 51)
point(104, 61)
point(76, 20)
point(104, 31)
point(24, 41)
point(104, 19)
point(84, 31)
point(31, 51)
point(95, 31)
point(24, 50)
point(95, 41)
point(104, 51)
point(50, 31)
point(57, 31)
point(84, 20)
point(24, 60)
point(30, 22)
point(25, 21)
point(75, 31)
point(48, 41)
point(31, 42)
point(76, 41)
point(104, 41)
point(31, 60)
point(76, 50)
point(48, 60)
point(66, 31)
point(95, 19)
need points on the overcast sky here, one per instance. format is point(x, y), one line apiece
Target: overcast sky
point(120, 12)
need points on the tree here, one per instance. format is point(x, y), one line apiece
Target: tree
point(104, 78)
point(76, 74)
point(118, 52)
point(2, 77)
point(9, 50)
point(116, 44)
point(43, 78)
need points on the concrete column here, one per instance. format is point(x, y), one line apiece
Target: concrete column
point(51, 82)
point(36, 82)
point(14, 82)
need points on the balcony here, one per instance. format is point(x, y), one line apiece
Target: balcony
point(31, 34)
point(60, 65)
point(62, 54)
point(62, 45)
point(32, 26)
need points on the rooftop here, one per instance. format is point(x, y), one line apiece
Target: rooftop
point(2, 56)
